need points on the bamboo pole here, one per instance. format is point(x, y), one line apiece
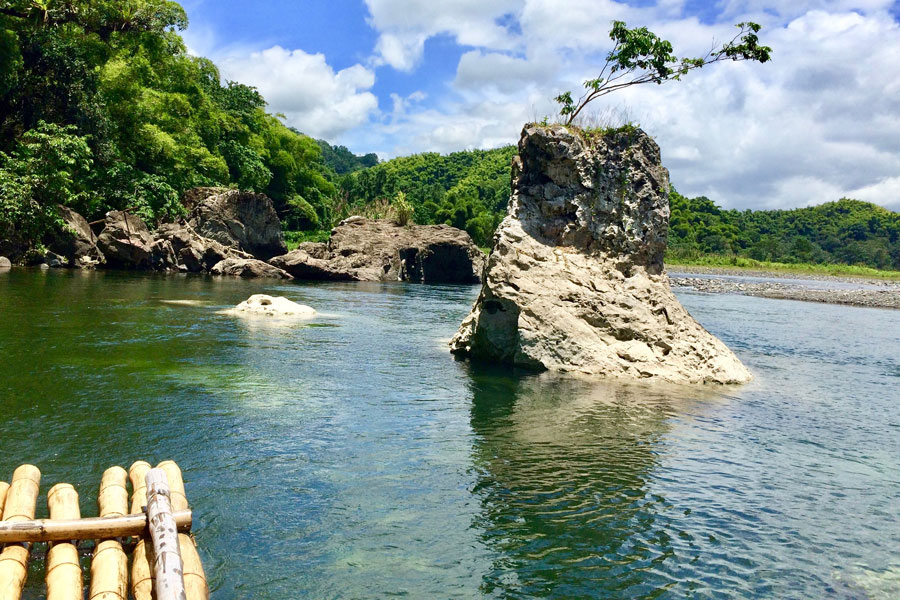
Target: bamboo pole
point(195, 584)
point(176, 484)
point(64, 577)
point(21, 500)
point(141, 575)
point(138, 475)
point(109, 567)
point(4, 487)
point(95, 528)
point(167, 565)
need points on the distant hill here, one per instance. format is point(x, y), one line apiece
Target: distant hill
point(468, 189)
point(342, 161)
point(844, 232)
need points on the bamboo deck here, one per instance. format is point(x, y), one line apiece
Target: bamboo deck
point(159, 569)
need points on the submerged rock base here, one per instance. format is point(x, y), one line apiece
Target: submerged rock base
point(575, 279)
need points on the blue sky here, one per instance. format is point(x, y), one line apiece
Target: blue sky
point(819, 122)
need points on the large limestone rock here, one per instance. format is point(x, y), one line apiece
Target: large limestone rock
point(75, 241)
point(176, 246)
point(575, 279)
point(125, 241)
point(364, 250)
point(240, 220)
point(5, 263)
point(307, 262)
point(248, 268)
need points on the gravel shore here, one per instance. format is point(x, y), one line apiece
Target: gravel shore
point(875, 293)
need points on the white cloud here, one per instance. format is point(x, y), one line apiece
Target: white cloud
point(313, 97)
point(821, 121)
point(478, 70)
point(404, 25)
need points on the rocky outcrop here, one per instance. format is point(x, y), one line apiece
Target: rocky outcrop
point(365, 250)
point(176, 246)
point(55, 261)
point(306, 263)
point(5, 263)
point(241, 220)
point(575, 279)
point(75, 241)
point(125, 241)
point(248, 267)
point(272, 306)
point(194, 196)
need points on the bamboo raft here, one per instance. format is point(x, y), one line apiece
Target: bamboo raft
point(165, 564)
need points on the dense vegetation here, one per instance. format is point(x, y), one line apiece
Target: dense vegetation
point(468, 190)
point(102, 107)
point(342, 161)
point(843, 232)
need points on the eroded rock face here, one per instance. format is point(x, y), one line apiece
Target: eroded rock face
point(248, 267)
point(575, 279)
point(75, 241)
point(176, 246)
point(125, 241)
point(241, 220)
point(364, 250)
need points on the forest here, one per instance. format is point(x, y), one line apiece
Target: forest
point(842, 232)
point(102, 107)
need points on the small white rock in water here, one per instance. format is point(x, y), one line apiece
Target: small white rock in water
point(272, 306)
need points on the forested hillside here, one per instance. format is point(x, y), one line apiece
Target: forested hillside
point(102, 107)
point(844, 232)
point(468, 190)
point(342, 161)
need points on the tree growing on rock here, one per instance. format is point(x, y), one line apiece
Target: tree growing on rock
point(640, 56)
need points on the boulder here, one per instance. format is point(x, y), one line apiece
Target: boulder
point(55, 261)
point(75, 240)
point(125, 241)
point(176, 246)
point(12, 245)
point(194, 196)
point(303, 265)
point(241, 220)
point(575, 280)
point(249, 268)
point(5, 263)
point(272, 306)
point(365, 250)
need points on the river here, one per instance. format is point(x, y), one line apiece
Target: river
point(353, 457)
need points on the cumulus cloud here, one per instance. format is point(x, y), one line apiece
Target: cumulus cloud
point(306, 89)
point(821, 121)
point(404, 25)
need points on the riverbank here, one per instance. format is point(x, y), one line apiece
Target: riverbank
point(785, 285)
point(748, 266)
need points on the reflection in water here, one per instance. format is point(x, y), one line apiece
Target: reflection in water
point(563, 468)
point(353, 458)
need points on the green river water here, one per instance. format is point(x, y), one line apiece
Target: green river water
point(353, 457)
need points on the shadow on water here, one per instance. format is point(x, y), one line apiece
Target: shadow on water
point(563, 481)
